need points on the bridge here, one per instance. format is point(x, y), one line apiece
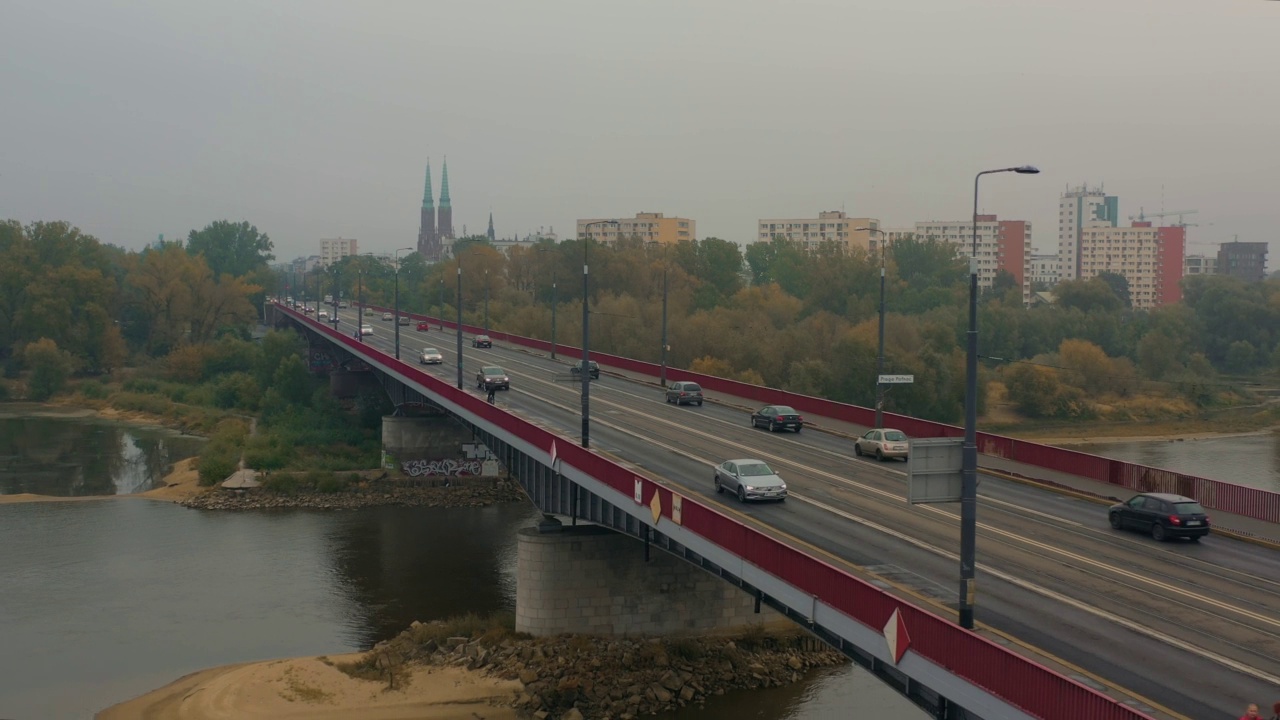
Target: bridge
point(1074, 622)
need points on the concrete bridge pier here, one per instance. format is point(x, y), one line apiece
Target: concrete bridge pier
point(435, 445)
point(588, 579)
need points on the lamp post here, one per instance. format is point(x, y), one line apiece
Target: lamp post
point(440, 317)
point(880, 356)
point(397, 303)
point(662, 379)
point(486, 301)
point(360, 302)
point(586, 333)
point(969, 460)
point(553, 315)
point(459, 323)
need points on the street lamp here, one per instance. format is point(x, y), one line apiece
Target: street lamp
point(880, 357)
point(969, 461)
point(397, 303)
point(553, 314)
point(586, 333)
point(459, 354)
point(486, 301)
point(440, 317)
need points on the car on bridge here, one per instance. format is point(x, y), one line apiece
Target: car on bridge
point(883, 443)
point(775, 417)
point(592, 367)
point(403, 320)
point(424, 326)
point(482, 341)
point(365, 329)
point(324, 315)
point(387, 317)
point(1163, 515)
point(493, 378)
point(430, 356)
point(685, 393)
point(750, 479)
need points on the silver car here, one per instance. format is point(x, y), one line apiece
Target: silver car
point(751, 480)
point(883, 443)
point(386, 317)
point(430, 356)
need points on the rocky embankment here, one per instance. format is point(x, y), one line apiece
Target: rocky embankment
point(576, 677)
point(363, 495)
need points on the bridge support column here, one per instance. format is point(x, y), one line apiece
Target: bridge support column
point(588, 579)
point(434, 445)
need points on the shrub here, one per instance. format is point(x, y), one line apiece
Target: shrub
point(331, 483)
point(216, 464)
point(94, 390)
point(141, 385)
point(50, 368)
point(281, 483)
point(139, 402)
point(187, 363)
point(4, 390)
point(267, 452)
point(237, 390)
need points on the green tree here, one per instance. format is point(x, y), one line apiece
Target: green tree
point(1086, 295)
point(1119, 285)
point(50, 368)
point(230, 248)
point(1242, 357)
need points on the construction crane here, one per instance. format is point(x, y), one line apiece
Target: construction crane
point(1142, 215)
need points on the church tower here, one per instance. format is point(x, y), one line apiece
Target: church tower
point(444, 223)
point(491, 235)
point(428, 242)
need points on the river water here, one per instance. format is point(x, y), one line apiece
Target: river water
point(103, 600)
point(1244, 459)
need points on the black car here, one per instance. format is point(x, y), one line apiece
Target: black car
point(682, 393)
point(777, 417)
point(1164, 515)
point(482, 341)
point(592, 367)
point(492, 378)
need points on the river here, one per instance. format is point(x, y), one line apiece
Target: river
point(1244, 459)
point(107, 599)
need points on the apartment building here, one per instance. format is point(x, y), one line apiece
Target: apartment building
point(333, 250)
point(830, 226)
point(1002, 245)
point(647, 226)
point(1079, 208)
point(1150, 258)
point(1200, 265)
point(1244, 260)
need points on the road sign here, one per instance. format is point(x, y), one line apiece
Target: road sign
point(897, 379)
point(934, 470)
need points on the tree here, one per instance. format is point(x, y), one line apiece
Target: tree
point(50, 368)
point(1035, 390)
point(1086, 295)
point(1119, 285)
point(229, 248)
point(1241, 358)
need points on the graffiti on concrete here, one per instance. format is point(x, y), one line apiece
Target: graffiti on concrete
point(477, 451)
point(447, 467)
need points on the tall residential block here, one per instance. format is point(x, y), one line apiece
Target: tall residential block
point(1200, 265)
point(830, 226)
point(1079, 208)
point(1149, 258)
point(1002, 245)
point(649, 227)
point(333, 250)
point(1244, 260)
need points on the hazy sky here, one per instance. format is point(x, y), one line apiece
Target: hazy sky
point(315, 118)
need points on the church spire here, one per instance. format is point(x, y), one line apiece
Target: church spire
point(427, 202)
point(444, 186)
point(491, 237)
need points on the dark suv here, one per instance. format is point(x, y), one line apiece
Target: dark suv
point(592, 367)
point(682, 393)
point(1164, 515)
point(482, 341)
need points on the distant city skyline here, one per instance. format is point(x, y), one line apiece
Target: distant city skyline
point(315, 120)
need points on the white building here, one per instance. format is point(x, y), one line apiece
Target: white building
point(1044, 269)
point(1200, 265)
point(1149, 258)
point(333, 250)
point(829, 226)
point(1080, 208)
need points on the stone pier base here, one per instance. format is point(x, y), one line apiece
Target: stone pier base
point(592, 580)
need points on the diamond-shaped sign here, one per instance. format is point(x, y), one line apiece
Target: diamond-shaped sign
point(656, 505)
point(895, 633)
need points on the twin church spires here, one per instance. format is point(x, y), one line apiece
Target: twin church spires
point(436, 224)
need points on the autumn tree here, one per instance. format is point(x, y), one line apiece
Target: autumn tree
point(230, 248)
point(50, 368)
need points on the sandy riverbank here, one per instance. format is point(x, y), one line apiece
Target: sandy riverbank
point(311, 688)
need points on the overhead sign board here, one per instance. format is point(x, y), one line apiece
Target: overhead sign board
point(934, 470)
point(897, 379)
